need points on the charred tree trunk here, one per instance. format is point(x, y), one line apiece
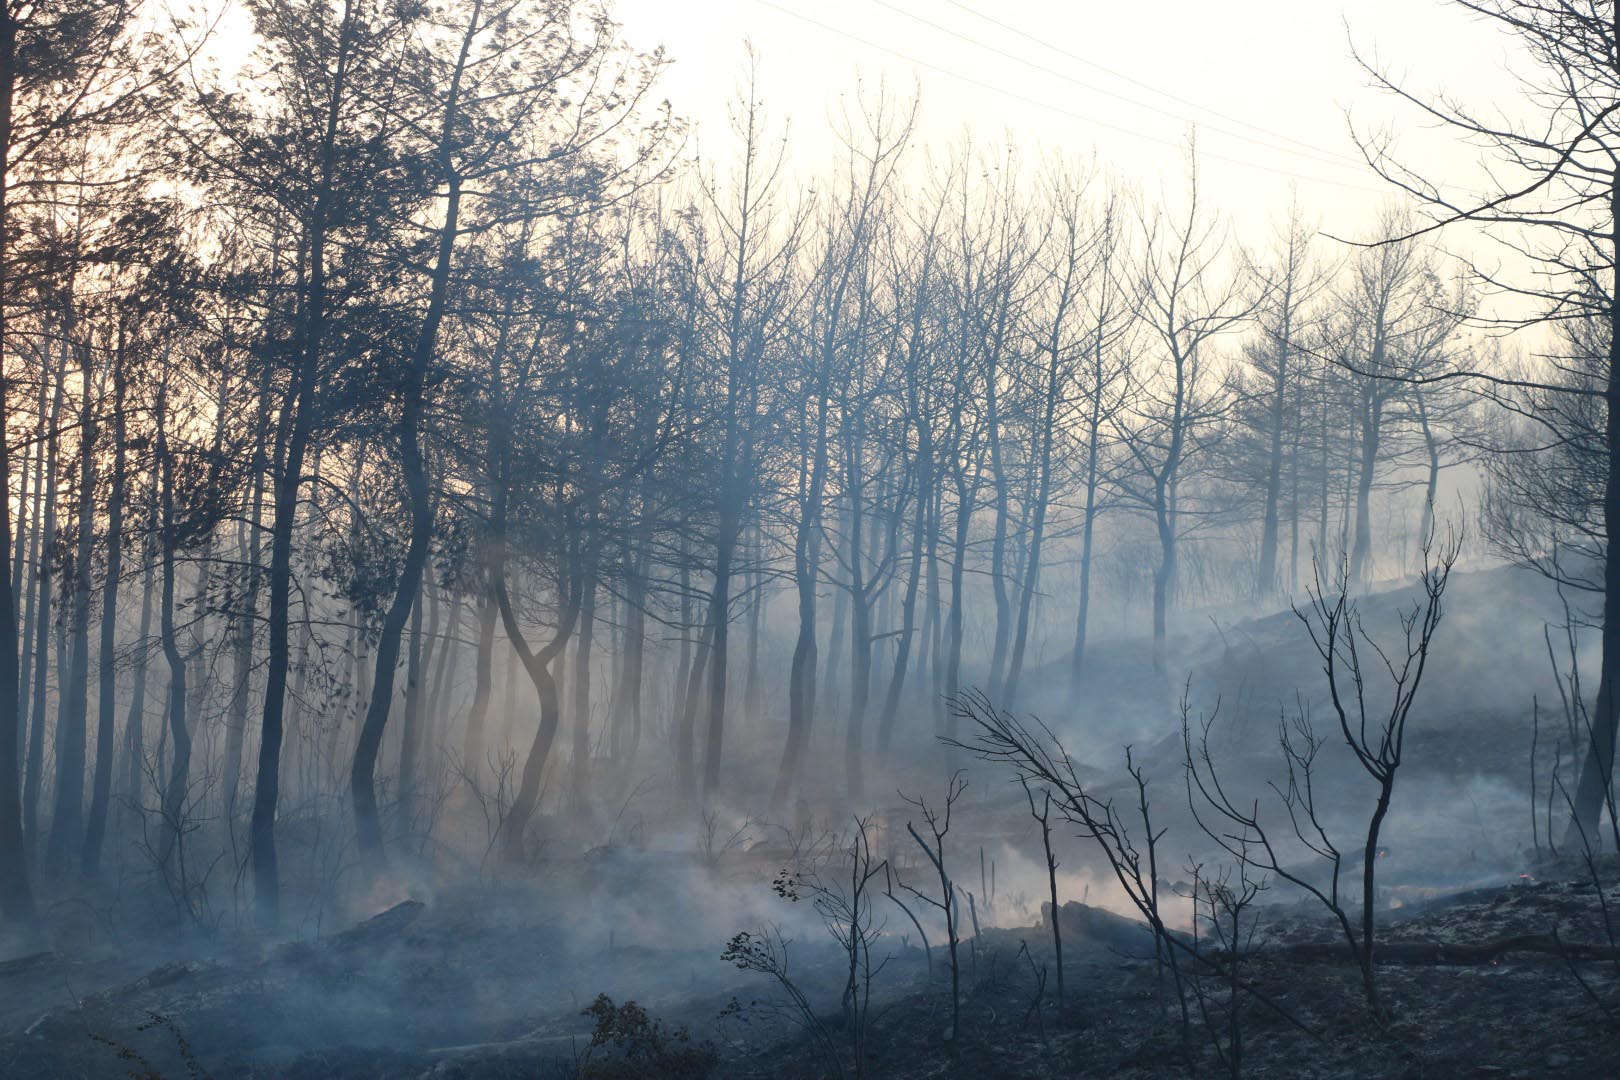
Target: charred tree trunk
point(1270, 525)
point(689, 694)
point(245, 621)
point(1088, 531)
point(73, 701)
point(1047, 432)
point(1431, 484)
point(719, 638)
point(835, 637)
point(441, 700)
point(583, 640)
point(35, 770)
point(31, 561)
point(1367, 465)
point(135, 719)
point(472, 749)
point(627, 696)
point(294, 431)
point(174, 823)
point(16, 894)
point(413, 469)
point(1164, 576)
point(410, 728)
point(1597, 768)
point(908, 606)
point(538, 665)
point(806, 579)
point(1003, 514)
point(107, 698)
point(966, 495)
point(860, 608)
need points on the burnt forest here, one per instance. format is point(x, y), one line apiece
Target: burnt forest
point(587, 540)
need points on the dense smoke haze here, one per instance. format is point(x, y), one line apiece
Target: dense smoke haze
point(505, 580)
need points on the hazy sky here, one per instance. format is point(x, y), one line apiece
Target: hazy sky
point(1266, 82)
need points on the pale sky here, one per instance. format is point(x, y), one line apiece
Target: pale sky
point(1266, 82)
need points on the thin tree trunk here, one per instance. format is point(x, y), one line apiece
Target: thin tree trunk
point(1266, 573)
point(441, 701)
point(966, 495)
point(835, 638)
point(719, 650)
point(36, 521)
point(1088, 530)
point(35, 769)
point(806, 571)
point(908, 606)
point(627, 703)
point(998, 543)
point(73, 703)
point(107, 703)
point(582, 685)
point(756, 613)
point(472, 749)
point(174, 793)
point(16, 894)
point(410, 727)
point(692, 695)
point(538, 664)
point(294, 431)
point(246, 620)
point(1042, 494)
point(1431, 486)
point(1597, 768)
point(413, 469)
point(933, 635)
point(1371, 433)
point(135, 720)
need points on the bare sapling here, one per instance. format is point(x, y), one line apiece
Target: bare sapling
point(1044, 817)
point(843, 896)
point(1130, 845)
point(1577, 722)
point(1374, 730)
point(1038, 999)
point(938, 822)
point(1222, 922)
point(890, 882)
point(764, 951)
point(1589, 860)
point(1580, 728)
point(1039, 758)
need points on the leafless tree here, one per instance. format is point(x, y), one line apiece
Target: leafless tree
point(938, 821)
point(1372, 724)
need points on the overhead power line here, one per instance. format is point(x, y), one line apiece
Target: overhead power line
point(1053, 107)
point(1150, 88)
point(1324, 157)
